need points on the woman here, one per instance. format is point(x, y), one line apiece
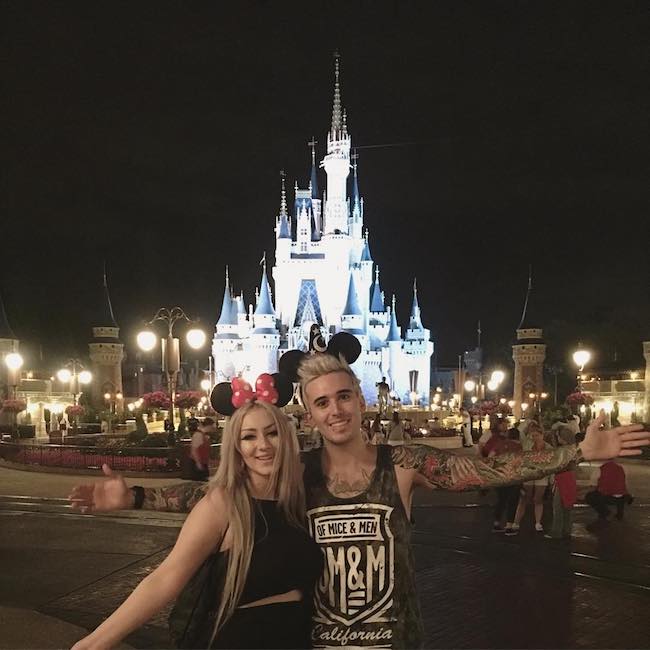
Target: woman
point(253, 518)
point(533, 491)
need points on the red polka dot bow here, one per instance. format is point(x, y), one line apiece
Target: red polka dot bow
point(265, 390)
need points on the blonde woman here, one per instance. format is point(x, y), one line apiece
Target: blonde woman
point(252, 517)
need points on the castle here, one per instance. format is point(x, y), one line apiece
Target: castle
point(324, 273)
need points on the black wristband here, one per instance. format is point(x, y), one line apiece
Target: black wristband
point(138, 496)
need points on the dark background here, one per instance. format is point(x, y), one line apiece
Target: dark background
point(151, 134)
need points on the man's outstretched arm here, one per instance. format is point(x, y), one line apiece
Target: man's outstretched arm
point(114, 494)
point(439, 469)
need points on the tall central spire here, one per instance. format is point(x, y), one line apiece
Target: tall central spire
point(337, 116)
point(283, 196)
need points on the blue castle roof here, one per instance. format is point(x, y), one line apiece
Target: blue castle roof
point(352, 304)
point(394, 333)
point(284, 232)
point(376, 301)
point(228, 308)
point(264, 304)
point(365, 253)
point(416, 321)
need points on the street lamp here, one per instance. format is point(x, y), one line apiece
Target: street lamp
point(581, 358)
point(14, 363)
point(69, 374)
point(170, 346)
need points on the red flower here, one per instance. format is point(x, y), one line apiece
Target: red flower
point(74, 410)
point(13, 405)
point(188, 399)
point(579, 399)
point(156, 400)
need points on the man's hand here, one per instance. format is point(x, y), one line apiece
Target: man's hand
point(110, 494)
point(611, 443)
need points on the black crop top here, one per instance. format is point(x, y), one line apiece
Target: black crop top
point(284, 557)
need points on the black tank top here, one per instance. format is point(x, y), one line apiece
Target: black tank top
point(284, 557)
point(366, 597)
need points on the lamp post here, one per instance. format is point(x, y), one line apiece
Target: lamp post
point(581, 358)
point(170, 346)
point(112, 397)
point(69, 374)
point(14, 363)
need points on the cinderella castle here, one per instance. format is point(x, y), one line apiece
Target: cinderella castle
point(324, 274)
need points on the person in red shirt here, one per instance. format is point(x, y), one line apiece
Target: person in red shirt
point(610, 490)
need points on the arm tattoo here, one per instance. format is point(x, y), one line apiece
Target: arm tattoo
point(175, 498)
point(448, 471)
point(342, 488)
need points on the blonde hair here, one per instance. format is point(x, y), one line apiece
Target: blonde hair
point(285, 485)
point(317, 365)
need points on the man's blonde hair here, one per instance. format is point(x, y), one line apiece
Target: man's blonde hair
point(317, 365)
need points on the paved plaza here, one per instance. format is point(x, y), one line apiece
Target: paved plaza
point(63, 572)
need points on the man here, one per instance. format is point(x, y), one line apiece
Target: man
point(610, 490)
point(359, 504)
point(383, 392)
point(199, 451)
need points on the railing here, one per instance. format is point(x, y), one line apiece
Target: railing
point(131, 459)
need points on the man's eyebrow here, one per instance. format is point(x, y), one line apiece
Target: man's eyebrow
point(338, 392)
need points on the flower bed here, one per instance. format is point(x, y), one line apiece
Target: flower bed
point(78, 458)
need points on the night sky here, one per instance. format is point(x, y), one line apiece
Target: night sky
point(152, 135)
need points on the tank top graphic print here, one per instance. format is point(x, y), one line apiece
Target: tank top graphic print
point(366, 597)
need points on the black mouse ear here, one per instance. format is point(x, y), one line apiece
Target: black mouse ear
point(289, 362)
point(284, 386)
point(345, 344)
point(221, 398)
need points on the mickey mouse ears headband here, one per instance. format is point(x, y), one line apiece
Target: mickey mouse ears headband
point(227, 397)
point(343, 344)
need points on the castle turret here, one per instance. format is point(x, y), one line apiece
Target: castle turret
point(265, 337)
point(283, 229)
point(352, 316)
point(106, 352)
point(529, 353)
point(226, 342)
point(394, 345)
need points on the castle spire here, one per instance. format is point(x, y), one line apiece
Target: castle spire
point(107, 315)
point(313, 182)
point(283, 195)
point(351, 304)
point(377, 299)
point(416, 321)
point(356, 198)
point(525, 315)
point(228, 315)
point(337, 119)
point(283, 228)
point(365, 253)
point(264, 303)
point(394, 333)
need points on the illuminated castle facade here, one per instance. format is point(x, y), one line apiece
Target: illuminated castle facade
point(324, 273)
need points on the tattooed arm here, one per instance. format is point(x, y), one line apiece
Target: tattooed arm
point(114, 494)
point(174, 498)
point(439, 469)
point(444, 470)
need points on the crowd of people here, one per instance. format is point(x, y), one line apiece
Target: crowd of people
point(314, 553)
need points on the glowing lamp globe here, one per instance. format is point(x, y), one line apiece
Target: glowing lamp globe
point(581, 358)
point(492, 385)
point(64, 375)
point(205, 384)
point(85, 377)
point(498, 376)
point(146, 340)
point(14, 361)
point(469, 385)
point(196, 338)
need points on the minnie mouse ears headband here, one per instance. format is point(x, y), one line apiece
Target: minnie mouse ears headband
point(227, 397)
point(340, 344)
